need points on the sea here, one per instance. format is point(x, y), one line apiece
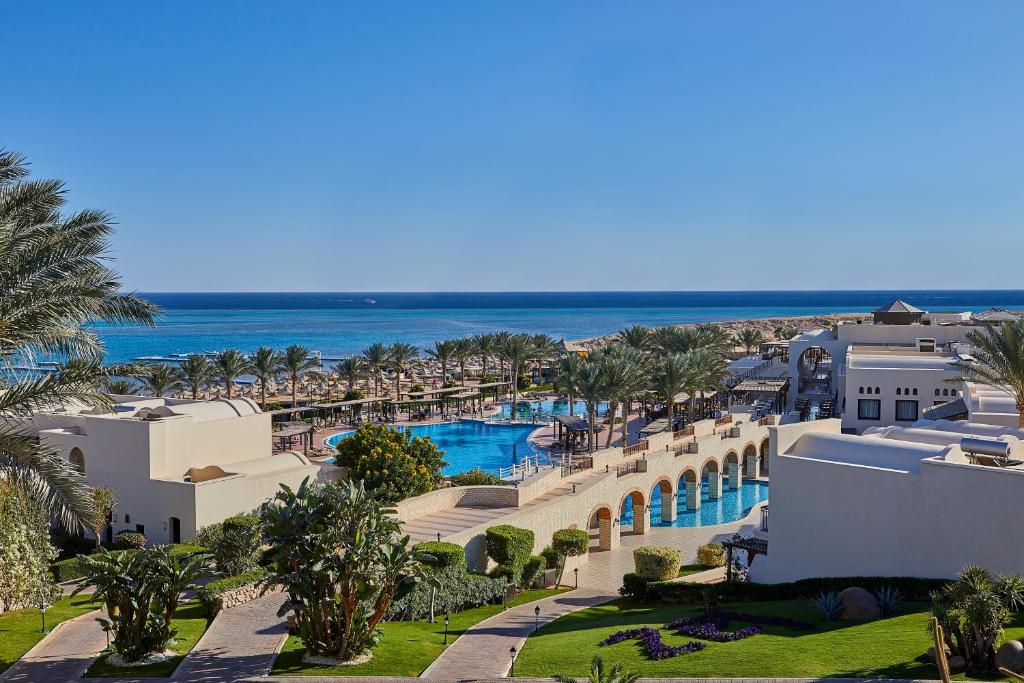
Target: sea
point(339, 324)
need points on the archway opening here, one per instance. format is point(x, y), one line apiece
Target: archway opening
point(663, 503)
point(600, 525)
point(763, 458)
point(77, 459)
point(633, 513)
point(750, 462)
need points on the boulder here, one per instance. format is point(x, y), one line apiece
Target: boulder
point(1011, 656)
point(956, 663)
point(931, 652)
point(857, 603)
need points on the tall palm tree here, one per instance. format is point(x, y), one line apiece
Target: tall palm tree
point(484, 346)
point(265, 364)
point(297, 362)
point(401, 357)
point(666, 340)
point(670, 377)
point(638, 337)
point(999, 352)
point(500, 340)
point(544, 349)
point(750, 339)
point(708, 370)
point(230, 364)
point(592, 386)
point(713, 337)
point(568, 375)
point(463, 352)
point(516, 350)
point(376, 356)
point(351, 369)
point(119, 386)
point(628, 375)
point(159, 378)
point(196, 373)
point(55, 280)
point(443, 352)
point(785, 332)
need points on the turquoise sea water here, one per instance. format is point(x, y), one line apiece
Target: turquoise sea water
point(733, 505)
point(339, 324)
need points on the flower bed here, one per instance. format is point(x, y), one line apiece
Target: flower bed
point(651, 640)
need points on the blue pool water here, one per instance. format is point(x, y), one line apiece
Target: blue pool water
point(527, 409)
point(469, 444)
point(733, 505)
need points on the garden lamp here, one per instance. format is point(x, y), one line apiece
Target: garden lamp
point(447, 620)
point(512, 668)
point(536, 618)
point(576, 575)
point(42, 612)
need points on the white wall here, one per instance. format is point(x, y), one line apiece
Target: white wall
point(923, 379)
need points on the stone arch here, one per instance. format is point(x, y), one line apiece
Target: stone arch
point(710, 465)
point(711, 471)
point(77, 460)
point(750, 462)
point(732, 470)
point(639, 502)
point(690, 488)
point(763, 461)
point(601, 519)
point(667, 508)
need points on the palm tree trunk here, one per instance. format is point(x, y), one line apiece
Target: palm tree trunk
point(263, 395)
point(625, 421)
point(462, 373)
point(612, 406)
point(1020, 413)
point(515, 400)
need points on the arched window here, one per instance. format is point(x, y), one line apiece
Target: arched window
point(906, 391)
point(945, 392)
point(915, 391)
point(860, 390)
point(877, 390)
point(897, 391)
point(952, 392)
point(936, 392)
point(77, 459)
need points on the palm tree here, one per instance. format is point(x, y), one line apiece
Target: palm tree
point(401, 356)
point(159, 378)
point(443, 352)
point(351, 369)
point(463, 352)
point(500, 340)
point(120, 386)
point(55, 281)
point(750, 339)
point(484, 346)
point(670, 378)
point(196, 373)
point(516, 349)
point(568, 375)
point(628, 375)
point(785, 332)
point(637, 337)
point(668, 340)
point(999, 352)
point(376, 357)
point(544, 349)
point(598, 674)
point(709, 371)
point(265, 364)
point(296, 362)
point(592, 386)
point(230, 365)
point(713, 337)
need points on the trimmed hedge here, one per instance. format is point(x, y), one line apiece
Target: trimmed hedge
point(477, 477)
point(570, 542)
point(511, 548)
point(532, 569)
point(209, 593)
point(187, 549)
point(657, 563)
point(445, 554)
point(129, 540)
point(552, 557)
point(711, 555)
point(682, 592)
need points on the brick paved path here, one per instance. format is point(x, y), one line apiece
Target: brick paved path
point(482, 651)
point(64, 655)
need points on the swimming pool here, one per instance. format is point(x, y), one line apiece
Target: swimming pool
point(469, 444)
point(733, 505)
point(527, 409)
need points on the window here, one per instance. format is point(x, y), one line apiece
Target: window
point(952, 392)
point(877, 390)
point(77, 459)
point(860, 390)
point(897, 391)
point(127, 518)
point(915, 391)
point(936, 392)
point(945, 392)
point(869, 409)
point(906, 391)
point(906, 411)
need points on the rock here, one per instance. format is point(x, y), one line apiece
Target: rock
point(857, 603)
point(931, 652)
point(956, 663)
point(1011, 656)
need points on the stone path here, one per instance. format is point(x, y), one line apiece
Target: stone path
point(64, 655)
point(241, 643)
point(465, 659)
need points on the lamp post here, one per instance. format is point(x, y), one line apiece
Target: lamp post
point(42, 613)
point(447, 621)
point(512, 668)
point(536, 618)
point(576, 576)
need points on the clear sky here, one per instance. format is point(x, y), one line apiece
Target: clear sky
point(532, 145)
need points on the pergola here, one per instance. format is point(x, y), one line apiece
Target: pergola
point(750, 390)
point(331, 410)
point(286, 435)
point(654, 427)
point(753, 546)
point(572, 429)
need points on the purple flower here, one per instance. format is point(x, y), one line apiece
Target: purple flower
point(651, 640)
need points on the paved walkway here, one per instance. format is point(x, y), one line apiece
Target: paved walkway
point(64, 655)
point(241, 643)
point(465, 659)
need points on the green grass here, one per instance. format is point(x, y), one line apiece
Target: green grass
point(406, 649)
point(190, 621)
point(887, 648)
point(19, 629)
point(688, 569)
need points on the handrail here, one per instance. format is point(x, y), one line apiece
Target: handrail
point(639, 446)
point(731, 433)
point(687, 448)
point(628, 468)
point(520, 469)
point(724, 420)
point(767, 420)
point(682, 433)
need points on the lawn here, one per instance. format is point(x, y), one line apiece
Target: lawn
point(887, 648)
point(406, 649)
point(19, 629)
point(688, 569)
point(190, 621)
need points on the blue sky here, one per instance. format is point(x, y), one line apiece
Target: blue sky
point(533, 145)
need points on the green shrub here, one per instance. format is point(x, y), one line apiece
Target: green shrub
point(445, 554)
point(711, 555)
point(238, 549)
point(510, 547)
point(553, 557)
point(657, 563)
point(532, 569)
point(476, 477)
point(681, 592)
point(633, 586)
point(457, 590)
point(569, 542)
point(129, 540)
point(209, 593)
point(209, 536)
point(394, 463)
point(187, 549)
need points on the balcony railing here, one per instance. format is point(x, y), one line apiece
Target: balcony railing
point(638, 447)
point(724, 420)
point(764, 519)
point(686, 448)
point(682, 433)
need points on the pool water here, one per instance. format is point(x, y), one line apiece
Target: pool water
point(733, 505)
point(527, 409)
point(469, 444)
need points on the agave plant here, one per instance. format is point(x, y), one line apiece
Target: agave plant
point(828, 605)
point(888, 600)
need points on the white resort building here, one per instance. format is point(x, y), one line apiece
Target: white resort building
point(176, 465)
